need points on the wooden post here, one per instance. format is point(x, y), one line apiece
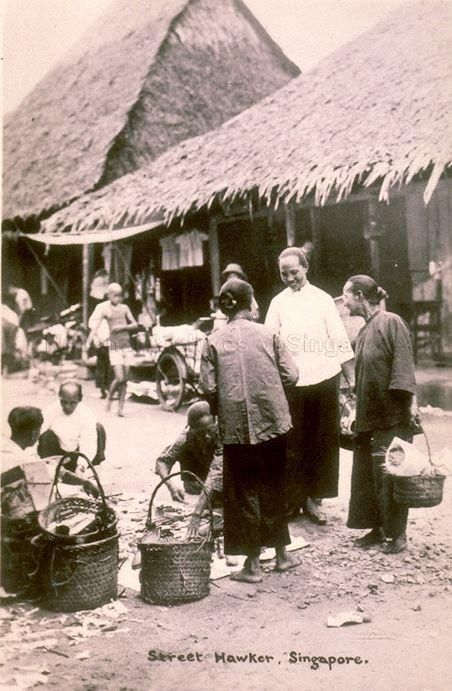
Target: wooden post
point(214, 252)
point(85, 283)
point(372, 233)
point(290, 214)
point(317, 240)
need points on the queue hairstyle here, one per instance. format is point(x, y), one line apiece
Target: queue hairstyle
point(295, 252)
point(361, 283)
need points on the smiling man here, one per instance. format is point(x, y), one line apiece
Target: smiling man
point(307, 320)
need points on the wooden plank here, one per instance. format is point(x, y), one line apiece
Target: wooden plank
point(290, 218)
point(214, 252)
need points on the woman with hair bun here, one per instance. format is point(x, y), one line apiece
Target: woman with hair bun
point(385, 406)
point(245, 370)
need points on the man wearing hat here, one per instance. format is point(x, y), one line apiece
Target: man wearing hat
point(194, 450)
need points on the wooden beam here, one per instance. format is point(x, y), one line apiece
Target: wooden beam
point(85, 283)
point(317, 240)
point(290, 215)
point(214, 252)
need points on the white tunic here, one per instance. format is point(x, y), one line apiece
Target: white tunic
point(76, 432)
point(309, 323)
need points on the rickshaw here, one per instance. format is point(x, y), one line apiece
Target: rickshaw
point(174, 362)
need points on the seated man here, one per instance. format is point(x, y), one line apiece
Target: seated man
point(25, 488)
point(194, 450)
point(70, 426)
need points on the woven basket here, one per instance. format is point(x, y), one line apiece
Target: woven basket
point(106, 517)
point(81, 577)
point(419, 491)
point(16, 553)
point(176, 572)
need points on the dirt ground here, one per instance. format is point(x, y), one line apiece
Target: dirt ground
point(277, 628)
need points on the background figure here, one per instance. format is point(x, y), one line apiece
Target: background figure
point(98, 289)
point(99, 339)
point(120, 323)
point(236, 271)
point(307, 320)
point(244, 370)
point(385, 406)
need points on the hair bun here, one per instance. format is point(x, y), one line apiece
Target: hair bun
point(381, 293)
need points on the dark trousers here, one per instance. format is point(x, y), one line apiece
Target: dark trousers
point(49, 445)
point(253, 496)
point(103, 378)
point(313, 443)
point(371, 501)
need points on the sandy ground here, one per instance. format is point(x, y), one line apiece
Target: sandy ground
point(274, 624)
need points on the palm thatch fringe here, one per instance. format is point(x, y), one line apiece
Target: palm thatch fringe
point(375, 112)
point(146, 76)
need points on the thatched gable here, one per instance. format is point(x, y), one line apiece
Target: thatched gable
point(377, 111)
point(148, 74)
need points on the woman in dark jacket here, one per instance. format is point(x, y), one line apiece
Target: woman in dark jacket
point(385, 405)
point(244, 371)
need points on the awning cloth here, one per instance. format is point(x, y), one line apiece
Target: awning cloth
point(91, 237)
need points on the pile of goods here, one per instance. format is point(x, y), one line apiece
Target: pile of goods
point(418, 479)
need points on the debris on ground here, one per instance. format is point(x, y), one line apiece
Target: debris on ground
point(345, 618)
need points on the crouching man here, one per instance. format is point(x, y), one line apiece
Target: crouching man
point(26, 481)
point(70, 427)
point(194, 450)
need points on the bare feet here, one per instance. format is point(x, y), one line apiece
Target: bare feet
point(396, 545)
point(251, 572)
point(289, 562)
point(375, 537)
point(312, 511)
point(108, 405)
point(245, 576)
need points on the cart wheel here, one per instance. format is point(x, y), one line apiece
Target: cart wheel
point(170, 380)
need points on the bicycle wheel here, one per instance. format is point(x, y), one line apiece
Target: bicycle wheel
point(170, 380)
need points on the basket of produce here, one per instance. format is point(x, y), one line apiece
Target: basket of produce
point(174, 569)
point(76, 520)
point(77, 577)
point(417, 480)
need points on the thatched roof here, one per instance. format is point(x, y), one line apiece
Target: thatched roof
point(148, 74)
point(377, 111)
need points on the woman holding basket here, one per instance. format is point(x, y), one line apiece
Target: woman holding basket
point(385, 408)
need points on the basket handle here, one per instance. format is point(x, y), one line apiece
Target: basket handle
point(92, 468)
point(203, 488)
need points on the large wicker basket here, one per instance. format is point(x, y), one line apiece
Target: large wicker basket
point(176, 572)
point(106, 519)
point(419, 491)
point(78, 577)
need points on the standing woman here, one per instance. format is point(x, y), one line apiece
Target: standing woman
point(307, 320)
point(385, 406)
point(120, 322)
point(244, 371)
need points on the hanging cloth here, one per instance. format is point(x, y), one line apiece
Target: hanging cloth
point(191, 248)
point(170, 253)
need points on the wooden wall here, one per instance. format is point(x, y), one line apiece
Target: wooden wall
point(429, 231)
